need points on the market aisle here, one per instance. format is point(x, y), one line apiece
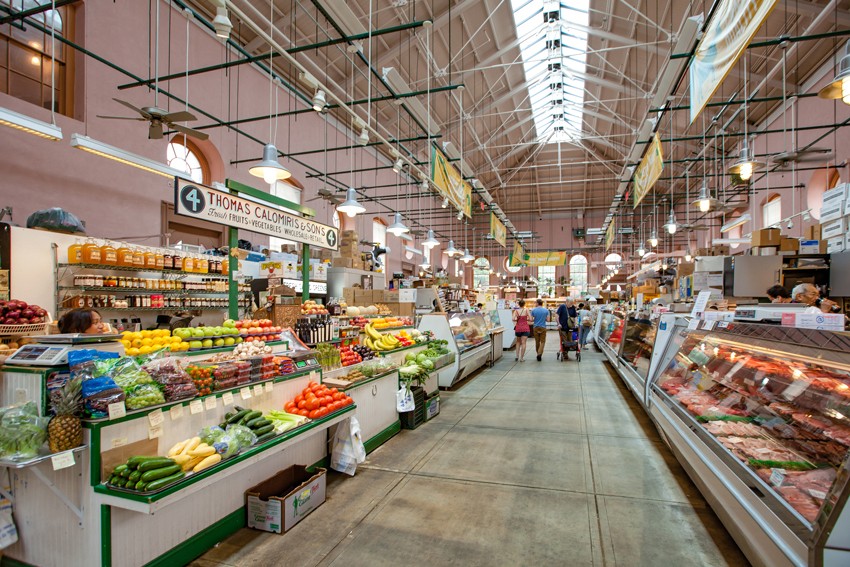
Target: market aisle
point(539, 463)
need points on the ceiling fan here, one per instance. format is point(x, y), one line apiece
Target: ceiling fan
point(159, 117)
point(807, 155)
point(328, 196)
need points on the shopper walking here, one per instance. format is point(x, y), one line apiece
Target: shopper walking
point(540, 315)
point(567, 319)
point(585, 322)
point(521, 329)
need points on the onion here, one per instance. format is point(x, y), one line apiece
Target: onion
point(28, 313)
point(23, 321)
point(14, 315)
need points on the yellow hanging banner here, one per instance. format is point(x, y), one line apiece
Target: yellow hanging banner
point(498, 230)
point(517, 257)
point(649, 170)
point(450, 182)
point(530, 259)
point(730, 30)
point(610, 235)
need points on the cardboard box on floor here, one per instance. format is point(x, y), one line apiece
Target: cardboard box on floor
point(278, 503)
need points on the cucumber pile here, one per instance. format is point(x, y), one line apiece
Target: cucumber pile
point(253, 419)
point(146, 473)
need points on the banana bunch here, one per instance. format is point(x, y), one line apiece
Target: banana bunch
point(378, 341)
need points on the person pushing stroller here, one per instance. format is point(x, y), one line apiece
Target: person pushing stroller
point(567, 329)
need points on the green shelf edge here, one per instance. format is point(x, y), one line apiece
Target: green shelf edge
point(143, 270)
point(382, 437)
point(149, 499)
point(402, 349)
point(201, 542)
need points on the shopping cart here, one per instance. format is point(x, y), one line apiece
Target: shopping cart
point(569, 342)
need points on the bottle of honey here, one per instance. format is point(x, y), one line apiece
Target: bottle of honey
point(225, 265)
point(188, 264)
point(160, 259)
point(75, 253)
point(91, 252)
point(138, 258)
point(202, 264)
point(108, 254)
point(150, 259)
point(125, 256)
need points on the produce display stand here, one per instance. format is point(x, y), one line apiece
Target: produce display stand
point(467, 359)
point(96, 525)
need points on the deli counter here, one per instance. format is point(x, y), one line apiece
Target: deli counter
point(467, 336)
point(758, 416)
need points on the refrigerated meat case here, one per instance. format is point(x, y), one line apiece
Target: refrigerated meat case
point(758, 416)
point(609, 332)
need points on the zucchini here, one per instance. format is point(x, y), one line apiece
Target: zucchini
point(257, 422)
point(157, 463)
point(140, 485)
point(119, 482)
point(119, 469)
point(162, 482)
point(250, 416)
point(263, 430)
point(227, 416)
point(162, 472)
point(238, 416)
point(126, 473)
point(265, 437)
point(238, 408)
point(135, 476)
point(135, 462)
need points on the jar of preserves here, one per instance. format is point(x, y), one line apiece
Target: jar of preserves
point(150, 259)
point(167, 261)
point(108, 254)
point(160, 260)
point(138, 258)
point(188, 264)
point(202, 265)
point(225, 266)
point(91, 252)
point(75, 253)
point(125, 255)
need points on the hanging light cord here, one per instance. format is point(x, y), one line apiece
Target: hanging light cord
point(53, 62)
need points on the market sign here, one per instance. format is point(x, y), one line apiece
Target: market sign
point(730, 30)
point(517, 256)
point(610, 234)
point(648, 171)
point(498, 230)
point(221, 207)
point(450, 182)
point(552, 258)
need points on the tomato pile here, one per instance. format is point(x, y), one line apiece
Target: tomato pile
point(317, 400)
point(347, 357)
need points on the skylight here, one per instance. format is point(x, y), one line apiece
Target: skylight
point(554, 59)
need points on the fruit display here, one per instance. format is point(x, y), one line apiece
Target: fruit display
point(199, 338)
point(358, 321)
point(249, 349)
point(255, 329)
point(140, 389)
point(355, 311)
point(146, 342)
point(377, 367)
point(310, 307)
point(285, 365)
point(365, 352)
point(317, 400)
point(354, 376)
point(386, 341)
point(16, 312)
point(22, 431)
point(146, 474)
point(384, 323)
point(65, 431)
point(349, 357)
point(202, 378)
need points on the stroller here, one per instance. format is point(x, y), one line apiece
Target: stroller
point(569, 341)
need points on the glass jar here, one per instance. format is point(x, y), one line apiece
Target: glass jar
point(108, 254)
point(167, 260)
point(125, 256)
point(204, 262)
point(91, 252)
point(225, 266)
point(159, 258)
point(75, 253)
point(138, 258)
point(188, 264)
point(150, 259)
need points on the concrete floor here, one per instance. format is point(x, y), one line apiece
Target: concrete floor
point(534, 463)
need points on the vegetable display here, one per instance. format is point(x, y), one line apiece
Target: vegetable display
point(22, 431)
point(317, 400)
point(146, 474)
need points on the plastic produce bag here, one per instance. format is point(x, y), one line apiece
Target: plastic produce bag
point(56, 219)
point(243, 434)
point(210, 435)
point(8, 530)
point(139, 387)
point(348, 449)
point(236, 437)
point(169, 373)
point(404, 400)
point(22, 431)
point(97, 392)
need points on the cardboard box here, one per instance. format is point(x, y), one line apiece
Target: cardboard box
point(763, 250)
point(789, 244)
point(363, 297)
point(390, 296)
point(832, 229)
point(812, 232)
point(832, 211)
point(813, 247)
point(348, 295)
point(343, 262)
point(4, 280)
point(279, 503)
point(835, 245)
point(432, 407)
point(821, 321)
point(766, 237)
point(837, 194)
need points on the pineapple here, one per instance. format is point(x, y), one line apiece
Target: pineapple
point(65, 431)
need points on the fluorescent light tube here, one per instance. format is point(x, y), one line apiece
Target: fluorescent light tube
point(344, 17)
point(105, 150)
point(31, 125)
point(719, 241)
point(734, 223)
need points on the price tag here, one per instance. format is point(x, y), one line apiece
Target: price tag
point(777, 477)
point(227, 398)
point(156, 417)
point(723, 324)
point(210, 403)
point(196, 406)
point(119, 442)
point(258, 390)
point(819, 494)
point(708, 325)
point(155, 432)
point(63, 460)
point(176, 412)
point(269, 387)
point(796, 388)
point(693, 324)
point(116, 410)
point(245, 393)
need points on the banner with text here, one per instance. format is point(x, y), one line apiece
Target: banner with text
point(649, 170)
point(498, 230)
point(450, 182)
point(220, 207)
point(610, 234)
point(730, 30)
point(515, 258)
point(551, 258)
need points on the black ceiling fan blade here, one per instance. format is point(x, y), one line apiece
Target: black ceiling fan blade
point(179, 116)
point(120, 117)
point(190, 132)
point(134, 108)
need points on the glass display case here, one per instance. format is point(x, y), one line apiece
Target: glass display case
point(768, 407)
point(469, 329)
point(638, 339)
point(610, 332)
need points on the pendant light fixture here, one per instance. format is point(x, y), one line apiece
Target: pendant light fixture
point(840, 85)
point(320, 102)
point(745, 165)
point(653, 236)
point(467, 257)
point(430, 241)
point(363, 138)
point(398, 166)
point(640, 249)
point(705, 201)
point(398, 227)
point(445, 203)
point(350, 206)
point(451, 251)
point(270, 169)
point(426, 258)
point(671, 225)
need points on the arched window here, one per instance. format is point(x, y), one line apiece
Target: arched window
point(771, 211)
point(379, 232)
point(183, 155)
point(578, 274)
point(546, 281)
